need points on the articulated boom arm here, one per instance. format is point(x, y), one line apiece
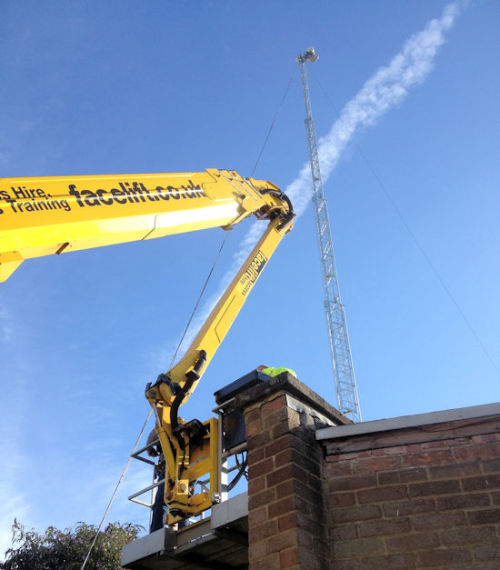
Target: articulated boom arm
point(47, 215)
point(191, 449)
point(55, 215)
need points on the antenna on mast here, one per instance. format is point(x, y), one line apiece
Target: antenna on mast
point(343, 370)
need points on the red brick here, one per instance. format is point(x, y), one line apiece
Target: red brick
point(383, 527)
point(298, 474)
point(304, 521)
point(309, 462)
point(258, 440)
point(438, 520)
point(352, 514)
point(341, 499)
point(388, 477)
point(402, 476)
point(256, 484)
point(468, 535)
point(410, 507)
point(462, 501)
point(282, 541)
point(358, 547)
point(305, 506)
point(486, 516)
point(380, 494)
point(273, 405)
point(331, 457)
point(447, 443)
point(414, 474)
point(434, 488)
point(390, 562)
point(454, 470)
point(283, 457)
point(281, 507)
point(412, 541)
point(260, 499)
point(372, 464)
point(349, 483)
point(252, 428)
point(459, 441)
point(491, 466)
point(481, 482)
point(257, 551)
point(252, 415)
point(477, 566)
point(289, 557)
point(338, 469)
point(443, 557)
point(262, 531)
point(270, 562)
point(429, 458)
point(487, 552)
point(280, 475)
point(315, 482)
point(285, 489)
point(396, 450)
point(287, 521)
point(257, 516)
point(303, 491)
point(346, 456)
point(255, 455)
point(305, 538)
point(277, 445)
point(480, 451)
point(298, 442)
point(309, 560)
point(344, 531)
point(347, 565)
point(270, 420)
point(487, 437)
point(261, 468)
point(280, 429)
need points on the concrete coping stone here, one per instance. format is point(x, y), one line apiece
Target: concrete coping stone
point(288, 384)
point(404, 422)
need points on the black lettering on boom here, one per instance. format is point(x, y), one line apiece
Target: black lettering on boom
point(252, 272)
point(132, 193)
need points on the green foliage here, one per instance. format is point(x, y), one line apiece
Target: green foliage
point(66, 550)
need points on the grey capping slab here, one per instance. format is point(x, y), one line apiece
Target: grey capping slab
point(229, 511)
point(168, 543)
point(403, 422)
point(158, 541)
point(286, 382)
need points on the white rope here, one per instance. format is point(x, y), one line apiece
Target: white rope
point(183, 335)
point(115, 491)
point(195, 308)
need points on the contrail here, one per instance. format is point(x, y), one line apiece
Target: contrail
point(384, 90)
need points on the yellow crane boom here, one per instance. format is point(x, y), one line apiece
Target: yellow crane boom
point(57, 215)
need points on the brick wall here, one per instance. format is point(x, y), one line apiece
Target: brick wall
point(414, 492)
point(416, 498)
point(287, 521)
point(417, 492)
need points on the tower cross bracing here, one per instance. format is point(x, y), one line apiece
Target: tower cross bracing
point(340, 350)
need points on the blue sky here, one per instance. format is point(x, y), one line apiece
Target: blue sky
point(125, 87)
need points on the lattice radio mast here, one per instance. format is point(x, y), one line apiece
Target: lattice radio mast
point(343, 370)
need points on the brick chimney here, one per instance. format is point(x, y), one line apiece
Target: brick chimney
point(287, 519)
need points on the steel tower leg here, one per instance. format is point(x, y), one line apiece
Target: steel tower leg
point(343, 370)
